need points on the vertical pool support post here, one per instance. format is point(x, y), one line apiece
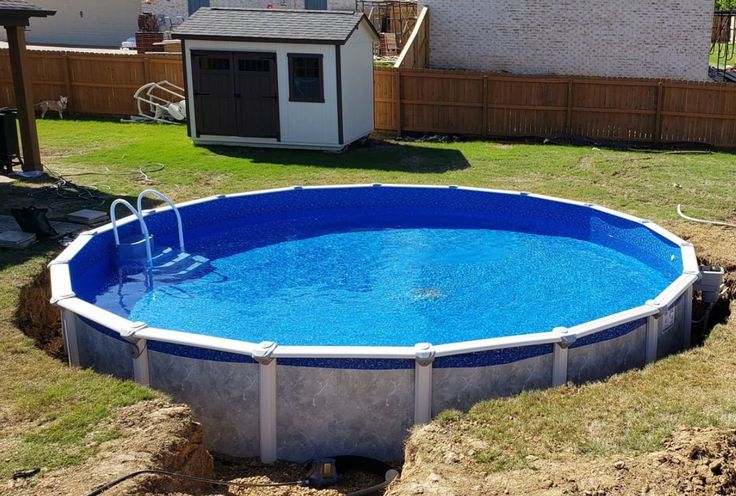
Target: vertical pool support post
point(140, 352)
point(140, 363)
point(687, 318)
point(69, 328)
point(559, 360)
point(653, 322)
point(267, 400)
point(424, 353)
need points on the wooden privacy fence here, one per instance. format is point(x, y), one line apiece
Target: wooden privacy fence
point(431, 101)
point(498, 105)
point(415, 54)
point(97, 84)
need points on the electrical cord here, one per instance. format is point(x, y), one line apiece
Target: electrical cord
point(701, 221)
point(109, 485)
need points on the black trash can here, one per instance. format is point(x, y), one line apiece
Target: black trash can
point(9, 150)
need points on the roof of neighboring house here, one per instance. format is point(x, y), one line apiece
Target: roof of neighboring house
point(301, 26)
point(17, 12)
point(23, 7)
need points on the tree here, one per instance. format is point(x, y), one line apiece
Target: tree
point(725, 4)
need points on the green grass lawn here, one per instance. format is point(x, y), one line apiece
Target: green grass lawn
point(49, 412)
point(728, 52)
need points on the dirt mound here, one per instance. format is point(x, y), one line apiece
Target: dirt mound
point(693, 462)
point(715, 246)
point(154, 434)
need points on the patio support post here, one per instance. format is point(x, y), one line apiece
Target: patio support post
point(24, 98)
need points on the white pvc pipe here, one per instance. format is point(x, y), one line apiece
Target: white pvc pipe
point(701, 221)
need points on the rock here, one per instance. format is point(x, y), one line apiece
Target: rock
point(451, 457)
point(531, 458)
point(619, 465)
point(433, 477)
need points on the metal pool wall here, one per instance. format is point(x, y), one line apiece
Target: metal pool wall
point(298, 402)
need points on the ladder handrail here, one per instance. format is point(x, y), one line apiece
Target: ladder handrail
point(144, 227)
point(166, 199)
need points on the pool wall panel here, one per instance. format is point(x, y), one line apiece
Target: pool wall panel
point(671, 332)
point(600, 360)
point(461, 388)
point(336, 411)
point(103, 350)
point(223, 396)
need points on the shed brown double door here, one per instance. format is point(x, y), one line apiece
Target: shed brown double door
point(236, 94)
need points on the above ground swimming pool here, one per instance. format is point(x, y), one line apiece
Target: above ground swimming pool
point(321, 321)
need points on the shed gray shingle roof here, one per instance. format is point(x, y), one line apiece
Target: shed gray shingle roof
point(313, 26)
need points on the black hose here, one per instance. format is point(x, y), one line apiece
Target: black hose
point(109, 485)
point(391, 475)
point(342, 463)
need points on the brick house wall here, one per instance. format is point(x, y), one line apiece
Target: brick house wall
point(173, 9)
point(622, 38)
point(282, 4)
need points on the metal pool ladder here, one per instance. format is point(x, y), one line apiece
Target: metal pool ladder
point(173, 207)
point(144, 228)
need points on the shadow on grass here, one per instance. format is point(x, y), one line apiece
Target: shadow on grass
point(43, 193)
point(373, 155)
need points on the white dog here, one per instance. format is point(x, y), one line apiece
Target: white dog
point(55, 105)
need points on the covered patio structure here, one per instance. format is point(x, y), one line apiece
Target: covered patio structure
point(15, 16)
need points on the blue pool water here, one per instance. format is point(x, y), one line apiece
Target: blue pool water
point(395, 286)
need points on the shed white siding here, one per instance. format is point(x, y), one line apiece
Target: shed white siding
point(308, 125)
point(85, 22)
point(357, 84)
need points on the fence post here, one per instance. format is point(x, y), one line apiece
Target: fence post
point(146, 70)
point(484, 120)
point(397, 94)
point(568, 115)
point(68, 82)
point(658, 121)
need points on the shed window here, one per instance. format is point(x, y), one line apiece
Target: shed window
point(251, 65)
point(306, 78)
point(214, 64)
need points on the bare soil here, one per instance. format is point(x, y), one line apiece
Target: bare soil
point(693, 462)
point(154, 434)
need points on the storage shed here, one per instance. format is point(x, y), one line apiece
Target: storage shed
point(278, 78)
